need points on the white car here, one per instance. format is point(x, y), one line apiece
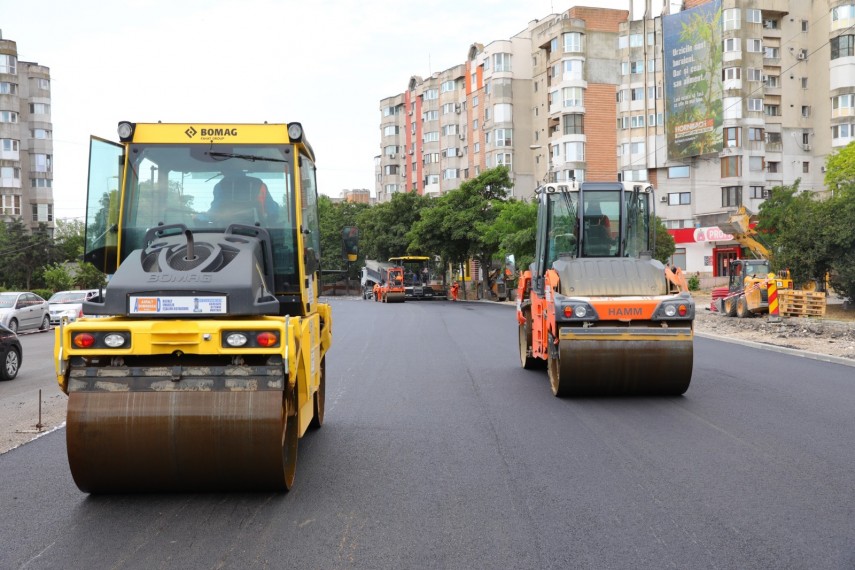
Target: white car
point(20, 311)
point(68, 305)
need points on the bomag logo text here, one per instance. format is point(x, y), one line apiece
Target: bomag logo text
point(219, 132)
point(625, 312)
point(191, 278)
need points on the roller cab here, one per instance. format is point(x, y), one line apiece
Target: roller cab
point(594, 308)
point(202, 362)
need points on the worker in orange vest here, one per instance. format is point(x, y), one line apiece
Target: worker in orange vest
point(455, 287)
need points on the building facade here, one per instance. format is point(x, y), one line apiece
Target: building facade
point(715, 105)
point(26, 140)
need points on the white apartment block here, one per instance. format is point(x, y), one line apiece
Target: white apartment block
point(26, 140)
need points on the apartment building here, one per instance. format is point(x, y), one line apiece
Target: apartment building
point(26, 145)
point(715, 105)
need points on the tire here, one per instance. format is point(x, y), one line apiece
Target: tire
point(11, 364)
point(45, 323)
point(553, 370)
point(318, 400)
point(730, 307)
point(13, 325)
point(524, 334)
point(742, 307)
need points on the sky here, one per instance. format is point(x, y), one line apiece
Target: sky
point(324, 63)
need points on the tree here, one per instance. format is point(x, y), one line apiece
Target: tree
point(69, 236)
point(386, 226)
point(333, 216)
point(515, 230)
point(664, 247)
point(840, 168)
point(90, 277)
point(57, 278)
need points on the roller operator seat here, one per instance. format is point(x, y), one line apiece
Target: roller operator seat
point(243, 199)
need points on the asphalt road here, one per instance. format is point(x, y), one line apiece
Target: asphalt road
point(438, 451)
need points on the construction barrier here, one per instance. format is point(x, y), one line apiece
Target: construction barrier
point(772, 296)
point(801, 303)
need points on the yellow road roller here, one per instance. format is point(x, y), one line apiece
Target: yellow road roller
point(594, 308)
point(202, 361)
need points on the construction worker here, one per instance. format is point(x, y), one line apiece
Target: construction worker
point(455, 288)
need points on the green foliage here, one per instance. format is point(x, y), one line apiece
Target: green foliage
point(515, 230)
point(694, 282)
point(333, 216)
point(89, 277)
point(43, 293)
point(386, 226)
point(664, 247)
point(68, 236)
point(840, 168)
point(57, 278)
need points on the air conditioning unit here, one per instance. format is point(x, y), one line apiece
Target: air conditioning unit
point(822, 169)
point(462, 137)
point(392, 155)
point(457, 108)
point(766, 193)
point(802, 54)
point(807, 147)
point(663, 199)
point(764, 78)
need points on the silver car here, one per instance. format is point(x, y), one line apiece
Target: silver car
point(21, 311)
point(68, 305)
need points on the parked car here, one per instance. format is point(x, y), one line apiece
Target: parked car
point(10, 354)
point(22, 311)
point(68, 305)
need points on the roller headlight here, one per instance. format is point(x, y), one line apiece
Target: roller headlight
point(236, 339)
point(295, 132)
point(125, 130)
point(670, 310)
point(114, 340)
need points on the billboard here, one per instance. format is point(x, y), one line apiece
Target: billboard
point(692, 77)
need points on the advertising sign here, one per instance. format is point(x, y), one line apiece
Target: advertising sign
point(692, 76)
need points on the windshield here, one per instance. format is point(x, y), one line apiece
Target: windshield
point(208, 187)
point(757, 268)
point(68, 297)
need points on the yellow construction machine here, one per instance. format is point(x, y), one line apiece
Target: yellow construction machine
point(594, 307)
point(202, 363)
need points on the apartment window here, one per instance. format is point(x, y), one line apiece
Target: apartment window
point(841, 17)
point(40, 182)
point(771, 52)
point(42, 162)
point(624, 68)
point(447, 108)
point(487, 114)
point(449, 130)
point(755, 105)
point(11, 205)
point(678, 172)
point(772, 81)
point(731, 196)
point(391, 188)
point(637, 94)
point(757, 192)
point(756, 164)
point(635, 148)
point(731, 44)
point(624, 121)
point(8, 117)
point(41, 134)
point(755, 135)
point(475, 101)
point(633, 175)
point(637, 121)
point(804, 82)
point(732, 107)
point(390, 130)
point(504, 137)
point(755, 74)
point(754, 45)
point(651, 65)
point(636, 40)
point(488, 136)
point(7, 88)
point(805, 111)
point(731, 137)
point(572, 69)
point(731, 166)
point(621, 95)
point(572, 96)
point(805, 167)
point(39, 109)
point(476, 147)
point(449, 152)
point(431, 94)
point(474, 124)
point(842, 46)
point(679, 198)
point(447, 86)
point(843, 105)
point(772, 110)
point(804, 26)
point(730, 73)
point(623, 42)
point(770, 24)
point(10, 173)
point(773, 137)
point(390, 149)
point(9, 145)
point(42, 83)
point(390, 169)
point(636, 67)
point(8, 64)
point(449, 173)
point(574, 151)
point(844, 131)
point(731, 19)
point(574, 124)
point(42, 212)
point(431, 136)
point(573, 42)
point(753, 16)
point(655, 119)
point(654, 92)
point(503, 159)
point(389, 111)
point(430, 115)
point(501, 62)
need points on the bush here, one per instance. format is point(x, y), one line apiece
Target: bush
point(43, 293)
point(694, 282)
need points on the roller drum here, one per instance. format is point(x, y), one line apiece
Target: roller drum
point(396, 297)
point(142, 441)
point(622, 366)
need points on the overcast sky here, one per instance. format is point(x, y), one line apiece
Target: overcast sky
point(324, 63)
